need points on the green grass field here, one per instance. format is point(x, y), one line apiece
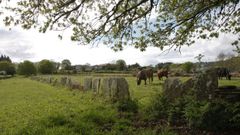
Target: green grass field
point(30, 107)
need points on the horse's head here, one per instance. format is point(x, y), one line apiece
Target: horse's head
point(138, 81)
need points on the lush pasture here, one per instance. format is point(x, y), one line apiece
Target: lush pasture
point(30, 107)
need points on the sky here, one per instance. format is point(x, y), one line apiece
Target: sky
point(31, 45)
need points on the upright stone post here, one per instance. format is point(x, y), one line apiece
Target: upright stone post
point(115, 89)
point(205, 84)
point(96, 84)
point(87, 84)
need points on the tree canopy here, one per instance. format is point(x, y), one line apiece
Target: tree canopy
point(46, 67)
point(140, 23)
point(8, 67)
point(5, 58)
point(188, 67)
point(66, 64)
point(121, 65)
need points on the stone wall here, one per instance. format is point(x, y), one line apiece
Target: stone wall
point(113, 88)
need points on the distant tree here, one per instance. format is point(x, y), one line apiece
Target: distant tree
point(227, 60)
point(221, 56)
point(134, 66)
point(121, 65)
point(8, 67)
point(165, 65)
point(187, 67)
point(26, 68)
point(87, 64)
point(66, 64)
point(46, 67)
point(56, 66)
point(159, 65)
point(5, 58)
point(233, 64)
point(110, 66)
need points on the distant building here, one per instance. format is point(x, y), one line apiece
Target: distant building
point(83, 68)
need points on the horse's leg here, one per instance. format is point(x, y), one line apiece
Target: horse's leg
point(145, 81)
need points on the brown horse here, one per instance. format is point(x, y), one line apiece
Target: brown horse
point(144, 75)
point(162, 73)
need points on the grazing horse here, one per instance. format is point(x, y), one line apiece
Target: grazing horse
point(144, 75)
point(223, 72)
point(162, 73)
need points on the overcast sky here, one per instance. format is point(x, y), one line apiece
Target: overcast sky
point(30, 45)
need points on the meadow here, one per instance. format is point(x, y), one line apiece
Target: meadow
point(30, 107)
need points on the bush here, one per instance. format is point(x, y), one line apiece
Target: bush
point(221, 115)
point(193, 112)
point(8, 67)
point(217, 115)
point(176, 112)
point(27, 68)
point(159, 108)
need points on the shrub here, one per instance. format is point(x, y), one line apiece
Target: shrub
point(159, 108)
point(176, 112)
point(193, 112)
point(26, 68)
point(217, 115)
point(221, 115)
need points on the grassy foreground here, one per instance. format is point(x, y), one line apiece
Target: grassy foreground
point(30, 107)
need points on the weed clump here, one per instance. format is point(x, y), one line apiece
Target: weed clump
point(130, 106)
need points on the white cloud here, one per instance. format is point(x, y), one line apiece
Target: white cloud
point(21, 44)
point(14, 45)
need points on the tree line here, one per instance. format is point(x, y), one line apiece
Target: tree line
point(65, 67)
point(6, 65)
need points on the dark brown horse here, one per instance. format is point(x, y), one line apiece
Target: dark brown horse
point(162, 73)
point(144, 75)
